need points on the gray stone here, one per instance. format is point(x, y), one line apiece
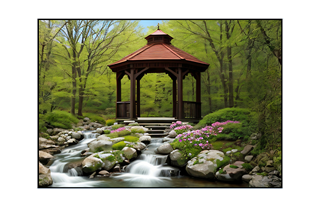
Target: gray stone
point(234, 150)
point(232, 174)
point(99, 131)
point(246, 178)
point(269, 163)
point(100, 145)
point(72, 141)
point(60, 139)
point(139, 146)
point(116, 140)
point(247, 149)
point(167, 139)
point(255, 169)
point(165, 149)
point(49, 131)
point(91, 164)
point(117, 168)
point(248, 158)
point(56, 131)
point(177, 159)
point(86, 119)
point(129, 153)
point(172, 134)
point(92, 175)
point(275, 172)
point(104, 172)
point(145, 139)
point(260, 181)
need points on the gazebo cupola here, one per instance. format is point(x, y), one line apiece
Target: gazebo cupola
point(159, 56)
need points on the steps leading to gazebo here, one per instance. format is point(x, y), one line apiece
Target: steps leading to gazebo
point(159, 127)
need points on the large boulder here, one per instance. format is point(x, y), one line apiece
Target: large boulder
point(164, 149)
point(57, 131)
point(91, 164)
point(204, 165)
point(140, 127)
point(231, 174)
point(129, 153)
point(44, 157)
point(172, 134)
point(246, 178)
point(100, 145)
point(72, 141)
point(177, 159)
point(44, 176)
point(145, 139)
point(139, 146)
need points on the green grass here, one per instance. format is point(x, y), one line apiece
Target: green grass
point(217, 145)
point(95, 117)
point(223, 163)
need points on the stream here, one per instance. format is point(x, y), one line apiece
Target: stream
point(148, 170)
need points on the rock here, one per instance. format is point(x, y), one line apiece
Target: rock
point(269, 169)
point(44, 157)
point(57, 131)
point(255, 136)
point(86, 119)
point(116, 140)
point(76, 135)
point(275, 172)
point(92, 175)
point(247, 149)
point(44, 176)
point(246, 178)
point(129, 153)
point(140, 127)
point(172, 134)
point(256, 169)
point(165, 149)
point(91, 164)
point(72, 141)
point(50, 131)
point(139, 146)
point(52, 151)
point(145, 139)
point(100, 145)
point(117, 168)
point(177, 159)
point(204, 164)
point(60, 139)
point(167, 139)
point(234, 150)
point(260, 181)
point(269, 163)
point(99, 131)
point(104, 172)
point(248, 158)
point(232, 174)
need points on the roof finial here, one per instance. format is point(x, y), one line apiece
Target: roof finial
point(158, 26)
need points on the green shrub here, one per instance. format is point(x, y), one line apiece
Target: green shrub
point(119, 145)
point(106, 131)
point(123, 133)
point(247, 167)
point(113, 135)
point(131, 138)
point(110, 122)
point(45, 135)
point(95, 117)
point(141, 131)
point(117, 126)
point(234, 166)
point(61, 119)
point(42, 124)
point(248, 122)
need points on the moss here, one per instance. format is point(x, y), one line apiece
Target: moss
point(141, 131)
point(263, 174)
point(45, 135)
point(217, 145)
point(106, 131)
point(221, 171)
point(247, 167)
point(234, 166)
point(98, 149)
point(224, 162)
point(227, 149)
point(119, 145)
point(131, 138)
point(110, 122)
point(197, 162)
point(123, 133)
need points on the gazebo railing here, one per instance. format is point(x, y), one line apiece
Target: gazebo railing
point(123, 109)
point(191, 110)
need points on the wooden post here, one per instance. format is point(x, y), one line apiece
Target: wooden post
point(138, 97)
point(132, 95)
point(198, 93)
point(180, 98)
point(174, 96)
point(119, 77)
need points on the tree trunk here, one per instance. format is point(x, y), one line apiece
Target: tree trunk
point(74, 85)
point(229, 54)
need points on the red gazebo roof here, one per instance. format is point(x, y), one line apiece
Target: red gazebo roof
point(158, 48)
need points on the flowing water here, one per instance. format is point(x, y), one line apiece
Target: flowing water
point(148, 170)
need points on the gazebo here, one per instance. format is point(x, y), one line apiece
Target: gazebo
point(159, 56)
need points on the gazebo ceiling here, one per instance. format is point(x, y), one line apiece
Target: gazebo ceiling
point(159, 50)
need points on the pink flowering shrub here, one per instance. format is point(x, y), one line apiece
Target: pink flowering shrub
point(118, 130)
point(191, 143)
point(175, 124)
point(183, 128)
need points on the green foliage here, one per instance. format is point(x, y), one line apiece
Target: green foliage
point(42, 124)
point(263, 174)
point(187, 151)
point(234, 166)
point(44, 135)
point(131, 138)
point(217, 145)
point(117, 126)
point(277, 160)
point(140, 131)
point(110, 122)
point(95, 117)
point(134, 124)
point(98, 149)
point(119, 145)
point(106, 131)
point(61, 119)
point(114, 135)
point(247, 167)
point(221, 171)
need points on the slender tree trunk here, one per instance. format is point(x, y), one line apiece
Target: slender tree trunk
point(74, 85)
point(229, 54)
